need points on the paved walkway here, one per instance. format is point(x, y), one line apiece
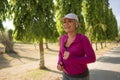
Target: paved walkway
point(106, 67)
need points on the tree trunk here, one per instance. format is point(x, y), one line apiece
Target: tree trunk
point(101, 45)
point(10, 35)
point(9, 47)
point(42, 64)
point(9, 43)
point(46, 44)
point(96, 46)
point(105, 44)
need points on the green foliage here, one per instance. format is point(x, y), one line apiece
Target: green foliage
point(3, 9)
point(1, 26)
point(34, 19)
point(3, 12)
point(64, 7)
point(100, 22)
point(112, 28)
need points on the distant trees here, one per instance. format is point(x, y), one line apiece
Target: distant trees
point(99, 21)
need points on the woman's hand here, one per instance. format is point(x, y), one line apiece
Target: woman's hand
point(60, 66)
point(66, 55)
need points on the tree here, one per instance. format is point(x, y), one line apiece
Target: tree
point(112, 29)
point(34, 21)
point(94, 26)
point(4, 39)
point(64, 7)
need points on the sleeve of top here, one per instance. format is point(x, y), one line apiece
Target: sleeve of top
point(89, 53)
point(59, 56)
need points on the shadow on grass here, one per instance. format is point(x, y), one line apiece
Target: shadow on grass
point(4, 63)
point(17, 56)
point(50, 70)
point(52, 50)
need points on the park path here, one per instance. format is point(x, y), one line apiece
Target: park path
point(106, 67)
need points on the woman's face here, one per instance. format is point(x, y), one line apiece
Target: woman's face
point(69, 25)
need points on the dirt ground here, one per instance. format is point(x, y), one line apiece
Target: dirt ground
point(25, 64)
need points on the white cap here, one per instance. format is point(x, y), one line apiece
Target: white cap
point(70, 16)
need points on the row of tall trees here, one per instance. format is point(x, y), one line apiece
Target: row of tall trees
point(101, 24)
point(36, 20)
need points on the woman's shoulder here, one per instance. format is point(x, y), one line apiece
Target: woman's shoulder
point(82, 36)
point(63, 36)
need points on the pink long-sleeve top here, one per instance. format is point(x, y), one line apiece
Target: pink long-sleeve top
point(81, 53)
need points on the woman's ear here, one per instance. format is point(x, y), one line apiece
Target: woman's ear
point(77, 24)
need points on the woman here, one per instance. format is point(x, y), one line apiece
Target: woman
point(75, 51)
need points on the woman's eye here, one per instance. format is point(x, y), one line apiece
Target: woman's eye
point(70, 21)
point(64, 22)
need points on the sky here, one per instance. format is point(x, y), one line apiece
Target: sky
point(8, 24)
point(114, 4)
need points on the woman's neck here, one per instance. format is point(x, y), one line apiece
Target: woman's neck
point(72, 35)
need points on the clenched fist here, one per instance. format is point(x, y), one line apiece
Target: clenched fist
point(60, 66)
point(66, 55)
